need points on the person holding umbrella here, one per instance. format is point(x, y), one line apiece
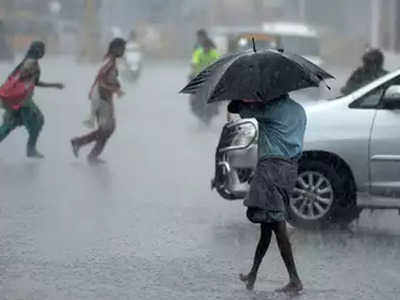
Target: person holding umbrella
point(261, 81)
point(106, 85)
point(282, 124)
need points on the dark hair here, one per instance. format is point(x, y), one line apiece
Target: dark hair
point(373, 56)
point(114, 44)
point(202, 32)
point(36, 50)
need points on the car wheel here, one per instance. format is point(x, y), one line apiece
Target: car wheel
point(318, 197)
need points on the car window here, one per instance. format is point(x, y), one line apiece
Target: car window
point(372, 99)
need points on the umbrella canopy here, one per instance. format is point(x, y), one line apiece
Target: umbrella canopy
point(260, 75)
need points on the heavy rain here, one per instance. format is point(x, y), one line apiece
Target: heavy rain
point(154, 209)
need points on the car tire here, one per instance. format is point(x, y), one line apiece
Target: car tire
point(322, 197)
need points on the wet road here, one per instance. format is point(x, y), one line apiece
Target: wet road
point(146, 225)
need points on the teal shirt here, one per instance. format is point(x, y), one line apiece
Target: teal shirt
point(282, 124)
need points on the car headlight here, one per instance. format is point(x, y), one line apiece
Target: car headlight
point(244, 136)
point(243, 42)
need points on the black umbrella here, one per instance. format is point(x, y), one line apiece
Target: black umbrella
point(261, 75)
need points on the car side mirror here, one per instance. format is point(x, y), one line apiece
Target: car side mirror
point(391, 98)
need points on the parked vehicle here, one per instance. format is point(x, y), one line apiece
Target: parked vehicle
point(298, 38)
point(294, 37)
point(351, 158)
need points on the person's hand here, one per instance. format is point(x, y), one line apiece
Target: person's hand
point(234, 106)
point(229, 117)
point(120, 93)
point(59, 86)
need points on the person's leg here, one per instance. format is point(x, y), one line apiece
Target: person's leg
point(107, 123)
point(9, 124)
point(33, 120)
point(262, 247)
point(285, 249)
point(90, 122)
point(98, 148)
point(83, 140)
point(5, 130)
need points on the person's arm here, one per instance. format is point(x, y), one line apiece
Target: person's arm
point(108, 86)
point(57, 85)
point(112, 86)
point(195, 62)
point(30, 72)
point(234, 107)
point(216, 54)
point(247, 110)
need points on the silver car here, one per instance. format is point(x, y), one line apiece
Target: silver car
point(351, 158)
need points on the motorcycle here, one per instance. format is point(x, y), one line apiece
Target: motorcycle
point(132, 62)
point(236, 159)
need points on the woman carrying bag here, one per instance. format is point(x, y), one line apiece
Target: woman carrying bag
point(16, 95)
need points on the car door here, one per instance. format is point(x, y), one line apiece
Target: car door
point(385, 152)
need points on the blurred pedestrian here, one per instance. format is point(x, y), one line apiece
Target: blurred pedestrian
point(372, 68)
point(106, 85)
point(282, 124)
point(204, 54)
point(27, 113)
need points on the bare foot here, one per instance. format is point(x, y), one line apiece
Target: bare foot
point(35, 154)
point(250, 280)
point(291, 288)
point(95, 161)
point(75, 148)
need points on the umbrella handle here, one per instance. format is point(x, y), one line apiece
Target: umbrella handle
point(323, 80)
point(254, 45)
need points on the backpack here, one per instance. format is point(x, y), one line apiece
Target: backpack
point(14, 91)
